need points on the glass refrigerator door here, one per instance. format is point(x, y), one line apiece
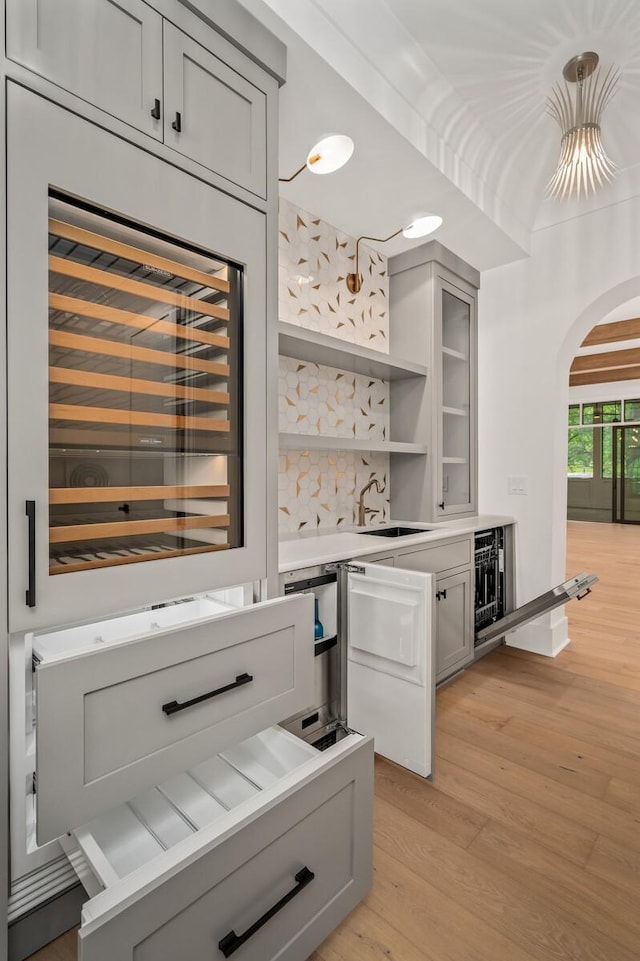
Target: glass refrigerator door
point(144, 401)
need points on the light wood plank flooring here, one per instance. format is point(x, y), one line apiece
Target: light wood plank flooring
point(527, 845)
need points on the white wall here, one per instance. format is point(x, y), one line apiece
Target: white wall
point(532, 317)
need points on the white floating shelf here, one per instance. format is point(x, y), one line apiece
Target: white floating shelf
point(325, 442)
point(455, 460)
point(450, 352)
point(313, 347)
point(455, 411)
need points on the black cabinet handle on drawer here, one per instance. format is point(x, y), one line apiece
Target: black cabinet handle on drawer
point(232, 941)
point(155, 113)
point(173, 706)
point(177, 123)
point(30, 510)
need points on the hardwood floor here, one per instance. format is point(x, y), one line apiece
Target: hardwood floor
point(527, 845)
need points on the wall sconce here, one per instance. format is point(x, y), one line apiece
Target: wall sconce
point(326, 156)
point(419, 228)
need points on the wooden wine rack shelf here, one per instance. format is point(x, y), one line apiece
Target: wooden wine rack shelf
point(93, 345)
point(118, 561)
point(135, 385)
point(125, 318)
point(119, 249)
point(106, 495)
point(104, 278)
point(83, 532)
point(134, 418)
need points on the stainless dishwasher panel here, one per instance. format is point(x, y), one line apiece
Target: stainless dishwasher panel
point(577, 587)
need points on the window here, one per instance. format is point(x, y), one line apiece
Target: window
point(574, 414)
point(580, 452)
point(632, 410)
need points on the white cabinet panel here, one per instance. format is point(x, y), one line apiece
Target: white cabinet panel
point(213, 114)
point(108, 52)
point(126, 716)
point(390, 674)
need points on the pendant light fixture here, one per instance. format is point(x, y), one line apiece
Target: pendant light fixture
point(418, 228)
point(583, 165)
point(326, 156)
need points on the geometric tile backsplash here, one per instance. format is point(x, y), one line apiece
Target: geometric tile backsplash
point(319, 488)
point(314, 259)
point(313, 399)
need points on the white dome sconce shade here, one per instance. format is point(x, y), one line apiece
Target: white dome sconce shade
point(325, 157)
point(418, 228)
point(584, 165)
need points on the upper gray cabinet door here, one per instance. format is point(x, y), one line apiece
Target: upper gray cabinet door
point(108, 52)
point(213, 114)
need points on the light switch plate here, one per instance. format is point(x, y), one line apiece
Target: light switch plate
point(517, 485)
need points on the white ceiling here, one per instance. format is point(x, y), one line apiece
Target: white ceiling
point(445, 100)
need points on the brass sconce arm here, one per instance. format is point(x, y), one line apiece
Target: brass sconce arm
point(287, 180)
point(354, 281)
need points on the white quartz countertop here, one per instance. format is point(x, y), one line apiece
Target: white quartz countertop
point(322, 547)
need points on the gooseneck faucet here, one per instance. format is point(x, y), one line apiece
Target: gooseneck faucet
point(362, 510)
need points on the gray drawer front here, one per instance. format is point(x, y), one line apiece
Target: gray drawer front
point(103, 711)
point(433, 560)
point(324, 825)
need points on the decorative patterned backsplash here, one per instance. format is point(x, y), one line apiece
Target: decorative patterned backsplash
point(320, 488)
point(313, 399)
point(314, 260)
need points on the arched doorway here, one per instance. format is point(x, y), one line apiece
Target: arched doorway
point(612, 302)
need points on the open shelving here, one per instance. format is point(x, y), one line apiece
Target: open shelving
point(316, 348)
point(293, 441)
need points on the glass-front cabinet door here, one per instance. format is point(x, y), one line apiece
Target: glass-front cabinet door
point(136, 349)
point(456, 429)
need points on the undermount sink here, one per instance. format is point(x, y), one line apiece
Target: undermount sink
point(394, 531)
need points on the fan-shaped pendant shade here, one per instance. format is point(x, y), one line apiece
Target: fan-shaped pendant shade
point(583, 165)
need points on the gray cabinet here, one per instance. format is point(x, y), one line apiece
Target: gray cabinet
point(106, 52)
point(203, 98)
point(454, 638)
point(433, 298)
point(451, 562)
point(454, 367)
point(121, 430)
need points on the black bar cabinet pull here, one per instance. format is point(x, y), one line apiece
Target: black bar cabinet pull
point(174, 706)
point(441, 505)
point(232, 941)
point(177, 123)
point(441, 595)
point(155, 113)
point(579, 597)
point(30, 510)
